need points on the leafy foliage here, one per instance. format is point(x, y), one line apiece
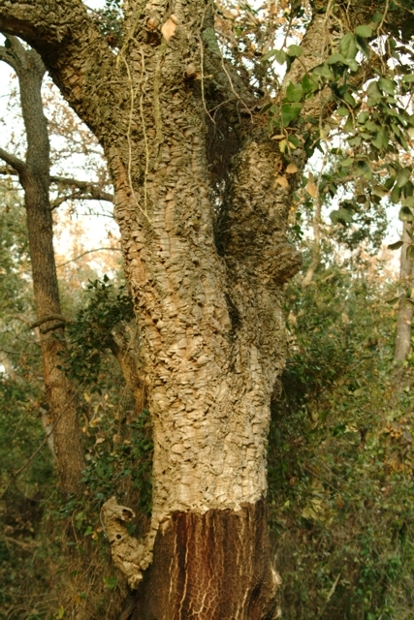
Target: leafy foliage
point(90, 334)
point(340, 461)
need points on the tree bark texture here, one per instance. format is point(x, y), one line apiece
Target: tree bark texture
point(34, 177)
point(406, 306)
point(206, 275)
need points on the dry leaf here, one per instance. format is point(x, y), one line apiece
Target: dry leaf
point(312, 189)
point(291, 169)
point(282, 181)
point(169, 28)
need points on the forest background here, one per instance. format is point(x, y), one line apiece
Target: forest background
point(340, 449)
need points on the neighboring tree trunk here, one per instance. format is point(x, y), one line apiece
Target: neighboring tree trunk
point(406, 305)
point(34, 177)
point(316, 245)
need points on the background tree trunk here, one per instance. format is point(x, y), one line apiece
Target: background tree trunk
point(406, 305)
point(34, 177)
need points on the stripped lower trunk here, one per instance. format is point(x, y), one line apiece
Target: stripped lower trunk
point(211, 566)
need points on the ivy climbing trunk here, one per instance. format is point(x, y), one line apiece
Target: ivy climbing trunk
point(61, 424)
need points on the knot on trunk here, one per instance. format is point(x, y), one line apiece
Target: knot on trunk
point(130, 555)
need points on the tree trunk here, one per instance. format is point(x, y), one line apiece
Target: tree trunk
point(213, 565)
point(34, 177)
point(206, 268)
point(406, 305)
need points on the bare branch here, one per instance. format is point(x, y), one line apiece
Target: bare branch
point(73, 260)
point(18, 165)
point(94, 191)
point(7, 57)
point(85, 190)
point(69, 42)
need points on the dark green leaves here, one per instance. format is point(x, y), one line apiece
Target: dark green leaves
point(348, 46)
point(294, 93)
point(290, 112)
point(395, 246)
point(364, 31)
point(386, 86)
point(279, 55)
point(403, 176)
point(405, 214)
point(294, 51)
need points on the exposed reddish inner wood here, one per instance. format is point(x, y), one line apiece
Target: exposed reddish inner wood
point(211, 566)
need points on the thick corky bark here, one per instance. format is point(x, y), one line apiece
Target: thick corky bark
point(34, 177)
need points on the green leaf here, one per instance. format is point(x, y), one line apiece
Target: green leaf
point(279, 55)
point(363, 117)
point(381, 139)
point(294, 50)
point(335, 58)
point(266, 107)
point(294, 92)
point(290, 113)
point(386, 86)
point(362, 168)
point(363, 46)
point(380, 191)
point(323, 71)
point(352, 64)
point(406, 214)
point(60, 612)
point(408, 78)
point(395, 246)
point(294, 141)
point(403, 177)
point(347, 46)
point(343, 216)
point(373, 93)
point(342, 111)
point(110, 582)
point(408, 202)
point(309, 84)
point(364, 31)
point(348, 98)
point(395, 195)
point(410, 252)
